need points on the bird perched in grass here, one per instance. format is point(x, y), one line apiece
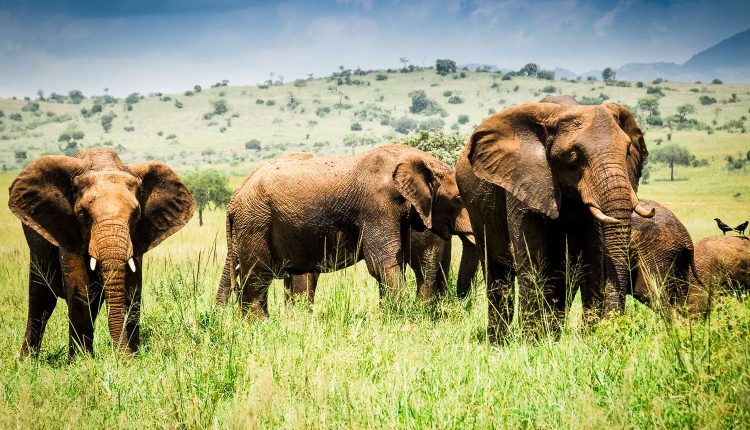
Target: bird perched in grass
point(723, 227)
point(741, 228)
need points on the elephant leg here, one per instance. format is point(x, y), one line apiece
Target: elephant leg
point(592, 266)
point(254, 293)
point(390, 278)
point(44, 279)
point(500, 304)
point(301, 284)
point(532, 262)
point(467, 270)
point(134, 285)
point(84, 299)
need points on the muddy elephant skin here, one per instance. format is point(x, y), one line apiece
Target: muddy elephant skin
point(543, 181)
point(88, 220)
point(300, 214)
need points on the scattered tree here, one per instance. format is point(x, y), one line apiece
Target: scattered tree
point(69, 140)
point(684, 110)
point(445, 67)
point(671, 154)
point(106, 121)
point(530, 69)
point(209, 187)
point(75, 96)
point(608, 76)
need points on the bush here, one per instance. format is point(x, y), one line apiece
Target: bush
point(259, 101)
point(655, 91)
point(75, 96)
point(355, 126)
point(706, 100)
point(270, 102)
point(447, 93)
point(253, 144)
point(106, 121)
point(322, 111)
point(455, 100)
point(178, 104)
point(546, 74)
point(381, 77)
point(717, 81)
point(463, 119)
point(129, 128)
point(654, 120)
point(420, 103)
point(432, 124)
point(15, 117)
point(444, 146)
point(404, 125)
point(639, 84)
point(549, 89)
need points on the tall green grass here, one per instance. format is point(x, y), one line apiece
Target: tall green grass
point(349, 362)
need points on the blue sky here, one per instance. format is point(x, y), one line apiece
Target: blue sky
point(141, 45)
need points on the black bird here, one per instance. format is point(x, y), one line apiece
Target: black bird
point(741, 228)
point(723, 227)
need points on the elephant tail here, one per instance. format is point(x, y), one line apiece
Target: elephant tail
point(703, 303)
point(229, 274)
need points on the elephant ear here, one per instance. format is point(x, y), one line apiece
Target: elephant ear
point(43, 197)
point(166, 205)
point(416, 182)
point(637, 153)
point(509, 149)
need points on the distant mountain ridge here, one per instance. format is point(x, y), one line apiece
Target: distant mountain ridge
point(728, 60)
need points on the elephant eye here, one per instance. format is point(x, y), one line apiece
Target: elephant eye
point(572, 156)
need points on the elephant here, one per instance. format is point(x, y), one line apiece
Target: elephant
point(88, 220)
point(723, 264)
point(543, 181)
point(428, 255)
point(663, 259)
point(302, 214)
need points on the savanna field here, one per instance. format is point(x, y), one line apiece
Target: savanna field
point(347, 362)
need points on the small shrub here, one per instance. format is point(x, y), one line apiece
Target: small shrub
point(404, 125)
point(381, 77)
point(178, 104)
point(706, 100)
point(455, 100)
point(259, 101)
point(270, 102)
point(15, 117)
point(322, 111)
point(355, 126)
point(129, 129)
point(463, 119)
point(549, 89)
point(717, 81)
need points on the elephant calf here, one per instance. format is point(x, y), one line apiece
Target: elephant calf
point(300, 214)
point(88, 220)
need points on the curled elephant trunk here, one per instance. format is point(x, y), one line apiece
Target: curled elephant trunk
point(111, 248)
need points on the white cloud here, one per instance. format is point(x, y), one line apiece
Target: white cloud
point(608, 18)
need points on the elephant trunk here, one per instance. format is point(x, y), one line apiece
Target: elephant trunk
point(111, 247)
point(616, 204)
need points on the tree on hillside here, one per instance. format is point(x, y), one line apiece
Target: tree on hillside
point(444, 146)
point(608, 76)
point(649, 104)
point(445, 67)
point(209, 187)
point(75, 96)
point(69, 140)
point(419, 101)
point(671, 154)
point(684, 110)
point(106, 121)
point(530, 69)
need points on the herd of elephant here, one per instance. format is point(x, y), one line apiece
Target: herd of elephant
point(537, 189)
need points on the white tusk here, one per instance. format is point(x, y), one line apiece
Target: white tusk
point(237, 268)
point(92, 263)
point(131, 263)
point(604, 219)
